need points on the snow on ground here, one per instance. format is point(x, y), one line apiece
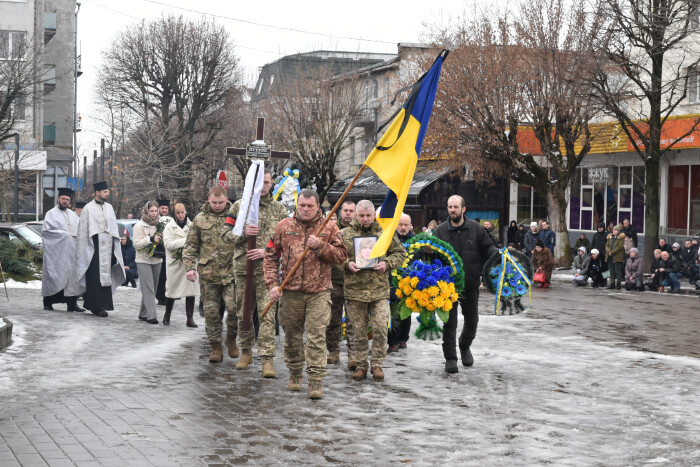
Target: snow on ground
point(13, 284)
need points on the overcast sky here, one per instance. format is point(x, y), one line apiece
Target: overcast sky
point(360, 25)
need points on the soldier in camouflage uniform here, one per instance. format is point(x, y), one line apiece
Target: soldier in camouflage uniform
point(367, 292)
point(334, 333)
point(270, 213)
point(213, 258)
point(306, 303)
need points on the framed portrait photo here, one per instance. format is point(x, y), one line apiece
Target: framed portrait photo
point(363, 248)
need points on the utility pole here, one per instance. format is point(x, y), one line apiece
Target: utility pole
point(75, 95)
point(84, 172)
point(94, 166)
point(102, 159)
point(16, 177)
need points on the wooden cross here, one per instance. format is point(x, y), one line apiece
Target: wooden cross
point(256, 150)
point(252, 152)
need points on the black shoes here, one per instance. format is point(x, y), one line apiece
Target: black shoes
point(467, 358)
point(101, 313)
point(143, 318)
point(451, 366)
point(48, 307)
point(152, 321)
point(76, 308)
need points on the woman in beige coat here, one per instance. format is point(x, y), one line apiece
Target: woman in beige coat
point(148, 265)
point(176, 284)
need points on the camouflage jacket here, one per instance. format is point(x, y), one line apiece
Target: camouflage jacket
point(270, 213)
point(205, 249)
point(338, 270)
point(369, 285)
point(287, 244)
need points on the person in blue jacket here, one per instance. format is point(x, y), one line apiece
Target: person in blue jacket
point(548, 237)
point(129, 255)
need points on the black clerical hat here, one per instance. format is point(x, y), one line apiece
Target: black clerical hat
point(99, 186)
point(65, 192)
point(80, 204)
point(163, 202)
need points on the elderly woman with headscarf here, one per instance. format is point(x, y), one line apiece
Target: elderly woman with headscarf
point(542, 260)
point(581, 263)
point(176, 284)
point(634, 271)
point(145, 237)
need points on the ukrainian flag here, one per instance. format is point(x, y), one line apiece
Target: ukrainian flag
point(395, 157)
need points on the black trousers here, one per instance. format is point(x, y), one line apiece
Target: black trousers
point(400, 332)
point(469, 300)
point(160, 289)
point(97, 298)
point(60, 298)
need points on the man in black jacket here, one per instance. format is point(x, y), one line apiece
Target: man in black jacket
point(629, 231)
point(599, 238)
point(670, 270)
point(474, 246)
point(398, 335)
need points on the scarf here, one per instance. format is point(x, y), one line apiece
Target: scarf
point(181, 224)
point(146, 218)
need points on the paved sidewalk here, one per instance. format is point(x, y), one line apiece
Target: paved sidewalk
point(562, 384)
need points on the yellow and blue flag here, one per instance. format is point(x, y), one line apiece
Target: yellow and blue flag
point(395, 157)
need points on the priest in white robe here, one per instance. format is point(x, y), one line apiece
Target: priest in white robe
point(99, 263)
point(58, 233)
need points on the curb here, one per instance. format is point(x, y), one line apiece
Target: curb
point(5, 333)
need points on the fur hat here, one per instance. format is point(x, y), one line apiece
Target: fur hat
point(595, 251)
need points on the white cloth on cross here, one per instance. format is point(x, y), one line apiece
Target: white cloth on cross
point(250, 203)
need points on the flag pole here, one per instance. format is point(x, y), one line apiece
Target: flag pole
point(318, 232)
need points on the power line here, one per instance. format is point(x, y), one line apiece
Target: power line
point(112, 9)
point(268, 25)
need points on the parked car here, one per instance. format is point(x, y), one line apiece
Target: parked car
point(20, 232)
point(127, 224)
point(36, 226)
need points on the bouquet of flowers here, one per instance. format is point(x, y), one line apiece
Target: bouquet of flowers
point(177, 255)
point(428, 283)
point(150, 249)
point(508, 275)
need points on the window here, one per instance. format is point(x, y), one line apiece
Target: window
point(12, 44)
point(18, 108)
point(693, 85)
point(607, 194)
point(530, 204)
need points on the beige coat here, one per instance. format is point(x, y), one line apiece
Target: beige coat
point(142, 238)
point(176, 284)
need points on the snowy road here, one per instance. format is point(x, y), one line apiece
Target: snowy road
point(587, 377)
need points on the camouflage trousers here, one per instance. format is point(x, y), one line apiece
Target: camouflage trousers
point(377, 314)
point(305, 312)
point(266, 332)
point(213, 320)
point(334, 333)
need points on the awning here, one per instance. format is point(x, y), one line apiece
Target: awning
point(370, 187)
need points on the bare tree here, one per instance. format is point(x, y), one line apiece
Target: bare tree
point(312, 114)
point(640, 78)
point(171, 75)
point(513, 74)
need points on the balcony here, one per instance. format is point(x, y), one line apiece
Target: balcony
point(49, 135)
point(49, 26)
point(79, 69)
point(365, 117)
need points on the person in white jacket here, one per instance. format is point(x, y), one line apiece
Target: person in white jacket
point(176, 284)
point(149, 266)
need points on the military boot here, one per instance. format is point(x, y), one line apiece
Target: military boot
point(245, 360)
point(377, 373)
point(231, 345)
point(295, 381)
point(315, 390)
point(352, 363)
point(359, 374)
point(217, 353)
point(268, 370)
point(333, 358)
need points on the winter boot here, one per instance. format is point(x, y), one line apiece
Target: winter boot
point(315, 390)
point(377, 373)
point(333, 358)
point(451, 366)
point(619, 285)
point(169, 303)
point(393, 348)
point(268, 369)
point(352, 363)
point(359, 374)
point(189, 311)
point(245, 360)
point(231, 345)
point(467, 357)
point(217, 353)
point(295, 381)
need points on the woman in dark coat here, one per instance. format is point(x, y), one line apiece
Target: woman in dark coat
point(542, 260)
point(129, 255)
point(596, 268)
point(520, 237)
point(512, 232)
point(655, 281)
point(600, 238)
